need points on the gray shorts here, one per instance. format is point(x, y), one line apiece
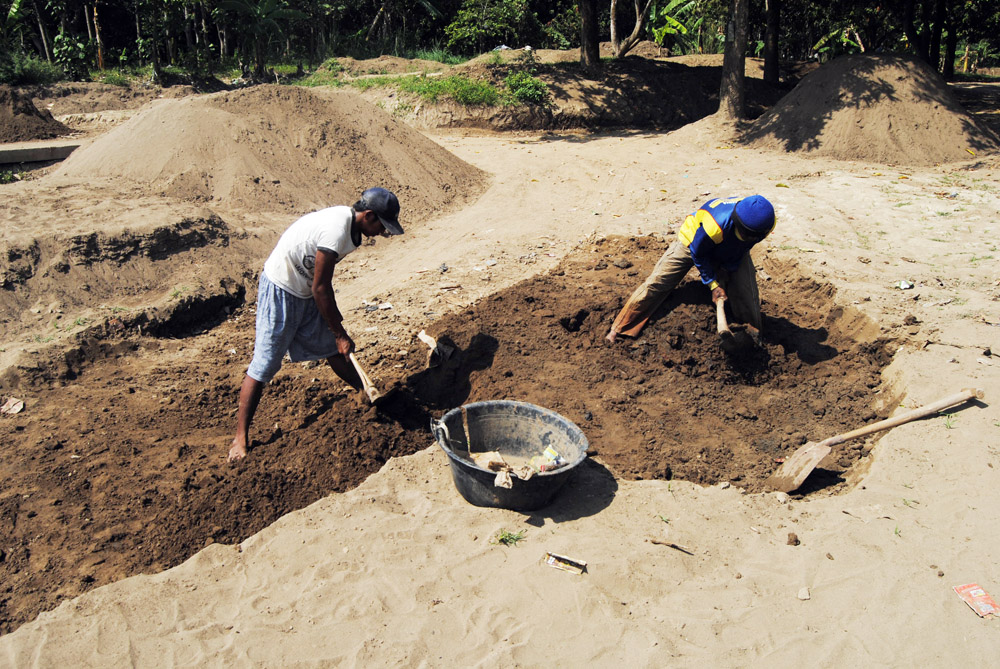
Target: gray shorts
point(287, 324)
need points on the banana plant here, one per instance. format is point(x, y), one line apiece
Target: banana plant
point(669, 27)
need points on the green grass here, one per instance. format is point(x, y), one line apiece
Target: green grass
point(439, 55)
point(10, 176)
point(402, 109)
point(321, 78)
point(115, 78)
point(508, 538)
point(466, 91)
point(523, 87)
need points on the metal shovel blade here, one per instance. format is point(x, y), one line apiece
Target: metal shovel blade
point(797, 467)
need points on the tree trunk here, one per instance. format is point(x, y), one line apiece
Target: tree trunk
point(733, 63)
point(86, 19)
point(188, 29)
point(620, 48)
point(100, 42)
point(940, 16)
point(223, 47)
point(154, 45)
point(43, 32)
point(950, 46)
point(917, 41)
point(590, 47)
point(771, 73)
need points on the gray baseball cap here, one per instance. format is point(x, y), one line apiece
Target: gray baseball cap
point(386, 207)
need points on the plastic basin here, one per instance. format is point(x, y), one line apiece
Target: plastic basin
point(518, 431)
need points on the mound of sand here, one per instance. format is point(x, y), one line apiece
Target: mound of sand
point(276, 148)
point(21, 121)
point(876, 108)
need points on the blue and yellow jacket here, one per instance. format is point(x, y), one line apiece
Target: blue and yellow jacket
point(708, 233)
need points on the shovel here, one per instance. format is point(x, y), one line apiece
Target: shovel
point(734, 342)
point(794, 471)
point(366, 383)
point(727, 340)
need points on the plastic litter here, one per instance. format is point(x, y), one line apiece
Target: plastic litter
point(565, 563)
point(12, 406)
point(977, 599)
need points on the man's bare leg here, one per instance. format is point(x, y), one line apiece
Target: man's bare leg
point(250, 393)
point(612, 336)
point(343, 368)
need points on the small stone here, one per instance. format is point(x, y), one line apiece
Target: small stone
point(793, 539)
point(804, 594)
point(782, 497)
point(940, 574)
point(829, 557)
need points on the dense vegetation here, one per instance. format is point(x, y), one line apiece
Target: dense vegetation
point(45, 40)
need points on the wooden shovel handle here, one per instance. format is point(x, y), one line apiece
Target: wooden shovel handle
point(720, 317)
point(927, 410)
point(366, 383)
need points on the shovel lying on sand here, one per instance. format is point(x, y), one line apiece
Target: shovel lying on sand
point(366, 383)
point(794, 471)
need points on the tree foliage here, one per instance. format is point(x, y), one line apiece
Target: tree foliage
point(80, 37)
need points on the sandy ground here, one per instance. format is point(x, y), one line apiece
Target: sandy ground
point(400, 571)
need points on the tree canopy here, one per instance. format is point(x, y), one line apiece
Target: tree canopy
point(78, 37)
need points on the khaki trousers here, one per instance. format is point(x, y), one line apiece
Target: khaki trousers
point(673, 265)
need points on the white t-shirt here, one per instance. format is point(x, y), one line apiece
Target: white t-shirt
point(293, 261)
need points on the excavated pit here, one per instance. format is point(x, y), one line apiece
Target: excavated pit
point(119, 466)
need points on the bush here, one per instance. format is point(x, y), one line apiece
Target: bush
point(72, 54)
point(439, 55)
point(463, 90)
point(523, 87)
point(563, 31)
point(470, 92)
point(25, 70)
point(113, 78)
point(481, 25)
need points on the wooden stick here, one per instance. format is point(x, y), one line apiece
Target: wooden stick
point(920, 412)
point(722, 327)
point(669, 544)
point(366, 383)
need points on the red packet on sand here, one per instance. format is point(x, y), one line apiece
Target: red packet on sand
point(976, 597)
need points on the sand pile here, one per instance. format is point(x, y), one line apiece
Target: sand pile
point(878, 108)
point(21, 121)
point(276, 148)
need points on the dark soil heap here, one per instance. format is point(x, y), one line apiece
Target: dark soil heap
point(879, 108)
point(21, 121)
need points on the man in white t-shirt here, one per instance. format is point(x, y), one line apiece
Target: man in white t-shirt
point(297, 312)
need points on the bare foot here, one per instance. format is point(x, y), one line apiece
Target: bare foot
point(237, 451)
point(612, 337)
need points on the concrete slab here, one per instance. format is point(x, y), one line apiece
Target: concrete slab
point(37, 151)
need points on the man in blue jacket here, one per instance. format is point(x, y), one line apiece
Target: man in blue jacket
point(717, 240)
